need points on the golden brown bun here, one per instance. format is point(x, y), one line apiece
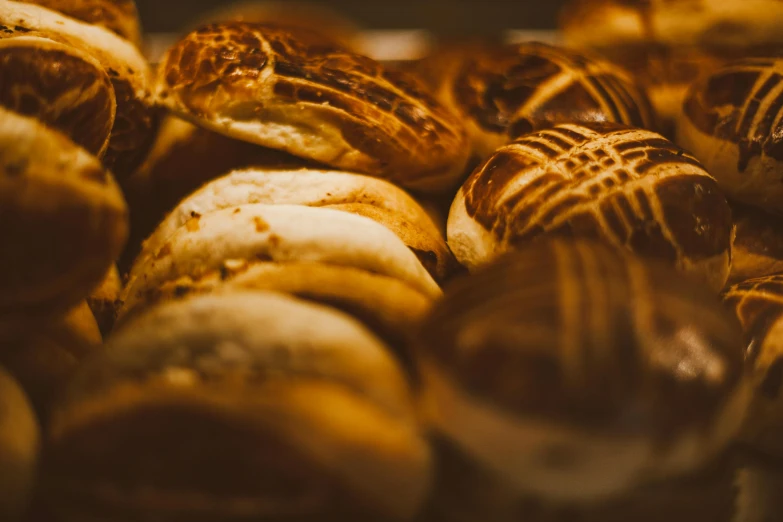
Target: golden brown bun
point(64, 221)
point(258, 406)
point(758, 247)
point(104, 299)
point(629, 187)
point(118, 16)
point(292, 92)
point(44, 358)
point(732, 123)
point(575, 373)
point(136, 119)
point(81, 104)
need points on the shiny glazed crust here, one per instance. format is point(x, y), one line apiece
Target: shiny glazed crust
point(629, 187)
point(296, 93)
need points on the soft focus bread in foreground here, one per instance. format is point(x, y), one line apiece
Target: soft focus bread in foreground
point(503, 92)
point(61, 86)
point(64, 220)
point(279, 233)
point(629, 187)
point(374, 198)
point(291, 411)
point(758, 246)
point(119, 16)
point(732, 123)
point(291, 91)
point(136, 118)
point(19, 446)
point(575, 372)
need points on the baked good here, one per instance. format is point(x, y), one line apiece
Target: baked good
point(668, 44)
point(279, 233)
point(118, 16)
point(366, 196)
point(64, 221)
point(629, 187)
point(60, 86)
point(239, 406)
point(503, 92)
point(758, 246)
point(289, 90)
point(104, 299)
point(576, 373)
point(45, 357)
point(136, 118)
point(732, 123)
point(760, 483)
point(19, 448)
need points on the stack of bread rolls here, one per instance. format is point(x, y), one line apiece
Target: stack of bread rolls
point(503, 282)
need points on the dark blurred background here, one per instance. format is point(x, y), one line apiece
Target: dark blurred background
point(440, 16)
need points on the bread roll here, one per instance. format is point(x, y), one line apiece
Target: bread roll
point(64, 221)
point(629, 187)
point(575, 373)
point(61, 86)
point(292, 92)
point(239, 406)
point(136, 119)
point(732, 123)
point(503, 92)
point(758, 246)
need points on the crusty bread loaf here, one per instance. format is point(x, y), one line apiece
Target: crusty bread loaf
point(136, 119)
point(630, 187)
point(257, 405)
point(61, 86)
point(290, 91)
point(64, 221)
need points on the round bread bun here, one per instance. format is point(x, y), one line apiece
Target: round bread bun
point(61, 86)
point(43, 359)
point(732, 123)
point(279, 233)
point(629, 187)
point(366, 196)
point(64, 221)
point(575, 373)
point(290, 91)
point(118, 16)
point(104, 299)
point(503, 92)
point(258, 406)
point(136, 118)
point(19, 448)
point(758, 246)
point(387, 306)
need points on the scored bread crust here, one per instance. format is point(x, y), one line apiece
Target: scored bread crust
point(118, 16)
point(278, 233)
point(503, 92)
point(364, 195)
point(61, 86)
point(64, 220)
point(305, 373)
point(291, 91)
point(732, 123)
point(629, 187)
point(136, 117)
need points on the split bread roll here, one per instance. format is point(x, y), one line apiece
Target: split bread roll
point(19, 448)
point(289, 90)
point(503, 92)
point(239, 406)
point(136, 117)
point(732, 123)
point(374, 198)
point(576, 373)
point(628, 187)
point(43, 359)
point(79, 103)
point(279, 233)
point(118, 16)
point(64, 221)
